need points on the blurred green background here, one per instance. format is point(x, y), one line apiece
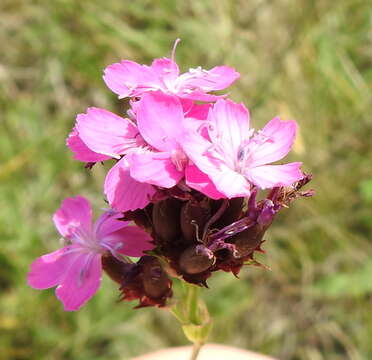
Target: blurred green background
point(307, 60)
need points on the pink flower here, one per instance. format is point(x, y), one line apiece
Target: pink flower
point(129, 79)
point(235, 158)
point(160, 120)
point(161, 160)
point(101, 135)
point(76, 268)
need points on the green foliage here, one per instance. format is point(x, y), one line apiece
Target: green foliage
point(355, 283)
point(308, 60)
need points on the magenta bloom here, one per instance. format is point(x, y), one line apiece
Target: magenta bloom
point(160, 161)
point(235, 158)
point(160, 120)
point(76, 268)
point(130, 79)
point(100, 135)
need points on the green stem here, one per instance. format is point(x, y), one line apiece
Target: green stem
point(193, 315)
point(195, 350)
point(192, 304)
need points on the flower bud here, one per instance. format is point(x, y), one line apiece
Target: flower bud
point(267, 213)
point(147, 282)
point(155, 281)
point(194, 215)
point(165, 217)
point(196, 259)
point(115, 268)
point(248, 240)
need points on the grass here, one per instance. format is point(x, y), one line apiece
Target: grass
point(309, 60)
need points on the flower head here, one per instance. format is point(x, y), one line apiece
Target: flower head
point(235, 158)
point(76, 268)
point(189, 174)
point(130, 79)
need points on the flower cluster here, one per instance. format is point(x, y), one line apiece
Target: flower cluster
point(188, 172)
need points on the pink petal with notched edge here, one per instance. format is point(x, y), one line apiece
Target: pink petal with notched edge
point(217, 78)
point(74, 213)
point(154, 168)
point(128, 78)
point(125, 193)
point(201, 182)
point(81, 151)
point(229, 127)
point(49, 270)
point(133, 240)
point(269, 176)
point(81, 281)
point(281, 135)
point(106, 133)
point(159, 120)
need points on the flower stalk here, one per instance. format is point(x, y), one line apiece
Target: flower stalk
point(194, 317)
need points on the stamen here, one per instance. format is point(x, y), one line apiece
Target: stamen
point(113, 249)
point(194, 223)
point(173, 55)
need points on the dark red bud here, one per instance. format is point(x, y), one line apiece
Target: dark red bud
point(193, 261)
point(155, 281)
point(114, 268)
point(248, 240)
point(165, 218)
point(194, 215)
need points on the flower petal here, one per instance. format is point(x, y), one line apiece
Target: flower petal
point(230, 183)
point(49, 270)
point(217, 78)
point(75, 214)
point(199, 181)
point(199, 96)
point(227, 181)
point(154, 168)
point(280, 137)
point(229, 127)
point(166, 70)
point(269, 176)
point(125, 193)
point(108, 223)
point(130, 241)
point(81, 151)
point(81, 281)
point(196, 111)
point(159, 119)
point(106, 133)
point(128, 78)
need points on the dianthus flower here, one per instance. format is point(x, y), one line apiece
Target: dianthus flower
point(236, 158)
point(76, 268)
point(130, 79)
